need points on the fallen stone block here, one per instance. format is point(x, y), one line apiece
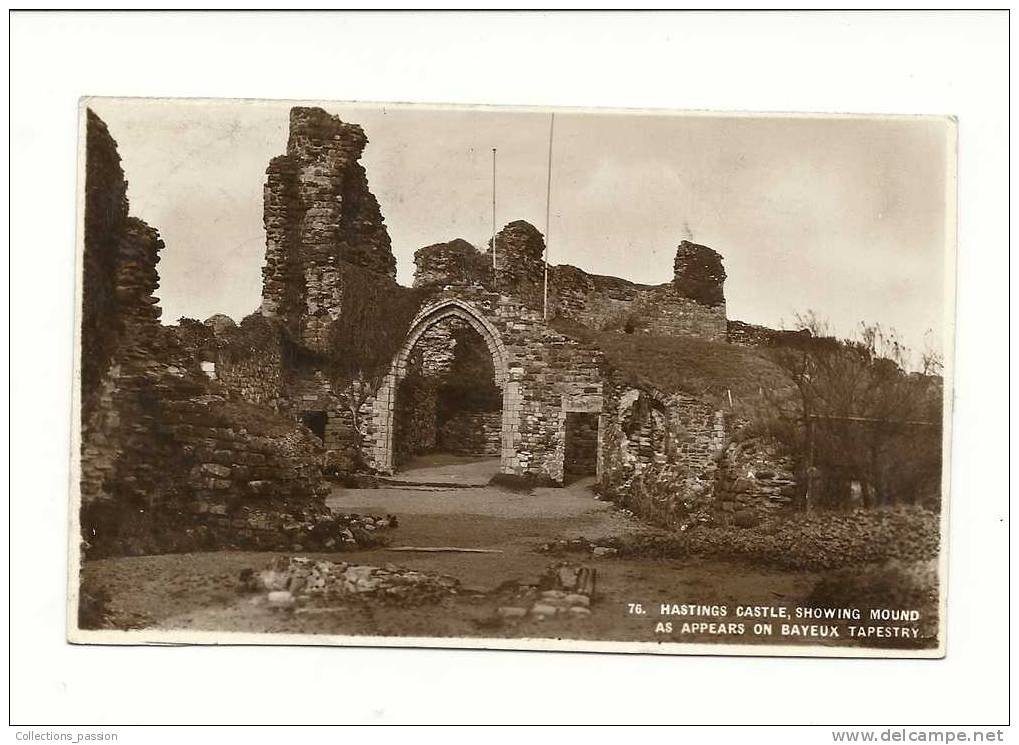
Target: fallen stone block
point(215, 469)
point(280, 598)
point(543, 611)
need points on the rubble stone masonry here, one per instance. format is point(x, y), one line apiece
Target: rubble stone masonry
point(170, 460)
point(215, 434)
point(319, 214)
point(692, 304)
point(613, 304)
point(542, 375)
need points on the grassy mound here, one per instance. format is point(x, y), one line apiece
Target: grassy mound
point(708, 369)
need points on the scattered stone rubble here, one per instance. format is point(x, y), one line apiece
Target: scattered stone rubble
point(564, 590)
point(577, 546)
point(798, 541)
point(294, 580)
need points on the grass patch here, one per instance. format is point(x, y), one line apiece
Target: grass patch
point(707, 369)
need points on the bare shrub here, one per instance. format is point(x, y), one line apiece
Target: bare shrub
point(865, 427)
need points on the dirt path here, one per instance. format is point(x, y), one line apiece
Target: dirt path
point(453, 470)
point(199, 591)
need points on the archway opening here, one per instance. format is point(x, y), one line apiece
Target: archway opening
point(448, 406)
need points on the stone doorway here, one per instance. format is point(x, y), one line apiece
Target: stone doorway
point(447, 392)
point(447, 401)
point(580, 456)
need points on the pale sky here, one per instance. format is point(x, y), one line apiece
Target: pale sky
point(842, 215)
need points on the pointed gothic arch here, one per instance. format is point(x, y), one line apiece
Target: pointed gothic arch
point(385, 400)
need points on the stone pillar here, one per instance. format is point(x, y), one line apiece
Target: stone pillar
point(105, 215)
point(699, 274)
point(318, 214)
point(519, 262)
point(281, 211)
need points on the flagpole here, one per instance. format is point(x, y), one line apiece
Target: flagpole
point(548, 203)
point(493, 214)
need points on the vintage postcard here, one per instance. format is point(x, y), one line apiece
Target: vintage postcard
point(602, 380)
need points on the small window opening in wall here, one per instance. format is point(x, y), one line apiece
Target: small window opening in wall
point(316, 422)
point(209, 368)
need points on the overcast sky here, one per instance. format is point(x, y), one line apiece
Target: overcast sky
point(841, 215)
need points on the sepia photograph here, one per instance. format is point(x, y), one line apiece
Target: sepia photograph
point(509, 368)
point(512, 378)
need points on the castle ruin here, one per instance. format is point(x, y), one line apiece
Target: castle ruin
point(342, 370)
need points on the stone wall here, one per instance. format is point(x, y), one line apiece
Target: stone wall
point(541, 374)
point(454, 263)
point(754, 478)
point(698, 274)
point(519, 264)
point(196, 470)
point(245, 358)
point(613, 304)
point(471, 433)
point(692, 304)
point(416, 420)
point(318, 214)
point(751, 335)
point(675, 460)
point(105, 217)
point(257, 362)
point(658, 452)
point(169, 460)
point(120, 317)
point(328, 284)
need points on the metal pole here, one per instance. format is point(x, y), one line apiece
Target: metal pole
point(548, 203)
point(493, 214)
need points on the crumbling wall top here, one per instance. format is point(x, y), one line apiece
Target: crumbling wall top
point(519, 260)
point(454, 263)
point(699, 274)
point(319, 216)
point(313, 130)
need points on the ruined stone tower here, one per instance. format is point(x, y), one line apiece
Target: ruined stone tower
point(320, 217)
point(699, 274)
point(520, 260)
